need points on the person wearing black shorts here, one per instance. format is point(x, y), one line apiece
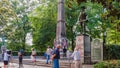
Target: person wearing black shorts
point(5, 60)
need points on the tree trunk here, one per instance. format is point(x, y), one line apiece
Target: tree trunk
point(72, 38)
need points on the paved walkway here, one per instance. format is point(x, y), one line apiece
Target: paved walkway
point(40, 63)
point(14, 65)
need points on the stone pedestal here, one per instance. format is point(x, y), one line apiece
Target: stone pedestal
point(83, 43)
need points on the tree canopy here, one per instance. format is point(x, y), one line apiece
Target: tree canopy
point(39, 18)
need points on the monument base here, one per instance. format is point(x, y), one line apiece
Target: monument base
point(83, 43)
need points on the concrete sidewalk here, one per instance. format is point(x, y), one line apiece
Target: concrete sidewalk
point(15, 65)
point(40, 63)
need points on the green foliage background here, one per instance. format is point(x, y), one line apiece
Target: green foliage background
point(20, 17)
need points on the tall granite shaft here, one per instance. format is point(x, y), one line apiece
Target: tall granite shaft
point(61, 30)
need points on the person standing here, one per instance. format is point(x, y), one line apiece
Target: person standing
point(76, 56)
point(68, 54)
point(48, 52)
point(33, 55)
point(20, 56)
point(64, 51)
point(56, 56)
point(5, 59)
point(9, 52)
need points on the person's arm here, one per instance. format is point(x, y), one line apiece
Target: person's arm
point(72, 54)
point(53, 56)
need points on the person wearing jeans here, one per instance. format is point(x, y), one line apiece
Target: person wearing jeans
point(48, 58)
point(48, 52)
point(56, 56)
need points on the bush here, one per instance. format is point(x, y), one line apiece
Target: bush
point(108, 64)
point(39, 53)
point(111, 52)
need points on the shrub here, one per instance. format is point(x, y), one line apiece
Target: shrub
point(111, 52)
point(108, 64)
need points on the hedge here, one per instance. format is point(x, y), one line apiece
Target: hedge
point(111, 52)
point(108, 64)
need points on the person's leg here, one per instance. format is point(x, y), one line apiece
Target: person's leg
point(64, 54)
point(20, 62)
point(34, 60)
point(76, 64)
point(47, 59)
point(56, 63)
point(4, 64)
point(80, 64)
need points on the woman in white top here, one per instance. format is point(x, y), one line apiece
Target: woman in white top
point(77, 58)
point(33, 56)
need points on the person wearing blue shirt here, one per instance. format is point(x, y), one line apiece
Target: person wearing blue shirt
point(56, 56)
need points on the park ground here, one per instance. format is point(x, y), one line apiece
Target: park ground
point(27, 63)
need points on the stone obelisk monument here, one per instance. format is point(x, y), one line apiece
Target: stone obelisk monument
point(61, 30)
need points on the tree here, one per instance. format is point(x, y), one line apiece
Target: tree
point(93, 16)
point(101, 20)
point(6, 16)
point(72, 11)
point(43, 20)
point(22, 26)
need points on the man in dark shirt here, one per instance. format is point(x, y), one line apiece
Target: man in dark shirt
point(64, 51)
point(20, 55)
point(56, 57)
